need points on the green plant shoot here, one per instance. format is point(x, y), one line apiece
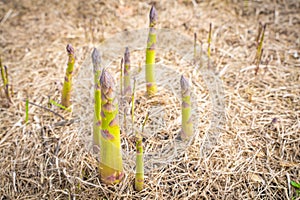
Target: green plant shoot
point(96, 59)
point(67, 87)
point(187, 125)
point(111, 164)
point(150, 54)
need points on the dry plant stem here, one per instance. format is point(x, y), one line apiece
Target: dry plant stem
point(96, 59)
point(67, 87)
point(127, 86)
point(150, 54)
point(4, 75)
point(111, 166)
point(187, 125)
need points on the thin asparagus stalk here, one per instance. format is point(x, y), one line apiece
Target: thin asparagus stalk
point(258, 62)
point(209, 48)
point(111, 165)
point(260, 45)
point(259, 32)
point(150, 54)
point(195, 47)
point(121, 78)
point(96, 59)
point(67, 87)
point(127, 86)
point(26, 110)
point(4, 75)
point(187, 125)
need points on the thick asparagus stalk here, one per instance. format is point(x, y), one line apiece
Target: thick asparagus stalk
point(150, 54)
point(187, 125)
point(67, 87)
point(96, 59)
point(4, 75)
point(127, 86)
point(111, 165)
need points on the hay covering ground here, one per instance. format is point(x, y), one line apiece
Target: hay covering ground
point(258, 151)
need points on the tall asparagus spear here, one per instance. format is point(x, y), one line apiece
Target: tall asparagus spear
point(4, 75)
point(187, 125)
point(67, 87)
point(127, 85)
point(96, 59)
point(111, 165)
point(150, 54)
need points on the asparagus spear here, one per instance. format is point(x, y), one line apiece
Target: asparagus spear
point(150, 54)
point(67, 87)
point(111, 165)
point(187, 125)
point(4, 75)
point(127, 86)
point(96, 59)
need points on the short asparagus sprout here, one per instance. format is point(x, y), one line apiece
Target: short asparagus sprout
point(187, 125)
point(6, 86)
point(127, 85)
point(111, 165)
point(150, 54)
point(96, 59)
point(67, 87)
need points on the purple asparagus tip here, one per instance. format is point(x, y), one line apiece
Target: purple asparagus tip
point(184, 83)
point(70, 49)
point(153, 15)
point(106, 80)
point(127, 56)
point(96, 59)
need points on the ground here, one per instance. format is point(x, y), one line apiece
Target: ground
point(255, 156)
